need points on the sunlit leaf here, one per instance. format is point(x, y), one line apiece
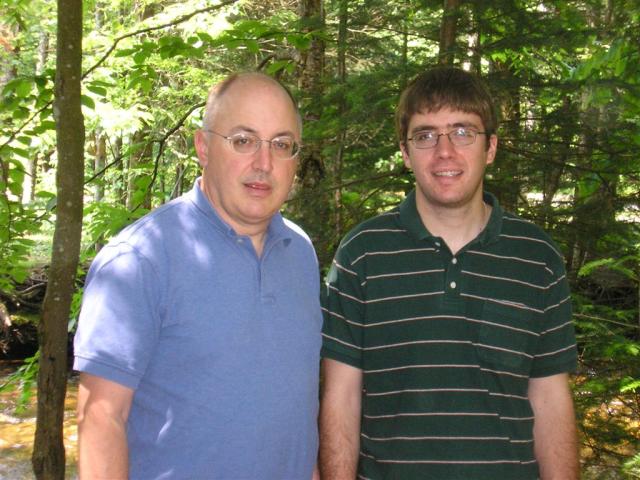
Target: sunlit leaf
point(88, 102)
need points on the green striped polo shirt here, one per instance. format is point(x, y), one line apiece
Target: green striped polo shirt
point(447, 343)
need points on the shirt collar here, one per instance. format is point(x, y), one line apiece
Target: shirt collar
point(277, 229)
point(410, 219)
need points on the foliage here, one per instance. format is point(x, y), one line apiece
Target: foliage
point(24, 378)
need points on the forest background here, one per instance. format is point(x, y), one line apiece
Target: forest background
point(565, 74)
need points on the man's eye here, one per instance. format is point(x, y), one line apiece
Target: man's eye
point(284, 144)
point(423, 136)
point(242, 140)
point(462, 132)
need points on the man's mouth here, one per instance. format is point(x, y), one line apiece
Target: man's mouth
point(448, 173)
point(258, 186)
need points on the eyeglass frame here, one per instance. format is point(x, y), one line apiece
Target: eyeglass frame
point(448, 135)
point(259, 142)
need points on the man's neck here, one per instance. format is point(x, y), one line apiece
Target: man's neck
point(457, 226)
point(257, 232)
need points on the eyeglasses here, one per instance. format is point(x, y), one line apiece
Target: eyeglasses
point(283, 147)
point(459, 137)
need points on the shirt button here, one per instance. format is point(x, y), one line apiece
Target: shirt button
point(454, 260)
point(452, 284)
point(437, 244)
point(240, 240)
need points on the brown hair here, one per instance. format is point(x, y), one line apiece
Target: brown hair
point(445, 87)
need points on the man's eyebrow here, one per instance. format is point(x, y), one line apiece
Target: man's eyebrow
point(242, 128)
point(253, 131)
point(421, 128)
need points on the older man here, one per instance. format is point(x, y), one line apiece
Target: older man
point(198, 342)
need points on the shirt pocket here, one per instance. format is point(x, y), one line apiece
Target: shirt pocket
point(506, 338)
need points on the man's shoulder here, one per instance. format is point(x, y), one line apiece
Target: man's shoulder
point(296, 231)
point(534, 237)
point(150, 233)
point(160, 217)
point(370, 232)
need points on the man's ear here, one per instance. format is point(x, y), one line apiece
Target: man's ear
point(405, 155)
point(493, 148)
point(202, 147)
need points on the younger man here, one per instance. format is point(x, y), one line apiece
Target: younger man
point(447, 334)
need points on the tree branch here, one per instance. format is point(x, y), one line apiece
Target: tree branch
point(162, 142)
point(108, 53)
point(173, 23)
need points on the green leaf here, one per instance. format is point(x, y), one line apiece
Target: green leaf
point(48, 124)
point(252, 45)
point(87, 102)
point(44, 194)
point(24, 140)
point(251, 27)
point(279, 65)
point(101, 91)
point(126, 52)
point(21, 113)
point(21, 152)
point(140, 56)
point(51, 204)
point(629, 385)
point(301, 42)
point(24, 88)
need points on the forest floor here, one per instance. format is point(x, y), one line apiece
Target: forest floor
point(17, 428)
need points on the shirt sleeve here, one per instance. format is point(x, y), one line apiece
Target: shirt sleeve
point(119, 320)
point(556, 352)
point(343, 306)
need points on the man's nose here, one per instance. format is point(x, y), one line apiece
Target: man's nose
point(263, 159)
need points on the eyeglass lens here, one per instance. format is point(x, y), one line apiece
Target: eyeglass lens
point(458, 137)
point(281, 147)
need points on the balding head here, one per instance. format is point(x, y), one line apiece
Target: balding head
point(218, 91)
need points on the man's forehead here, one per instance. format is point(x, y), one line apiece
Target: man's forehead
point(444, 117)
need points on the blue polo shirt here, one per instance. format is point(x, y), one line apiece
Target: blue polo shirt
point(221, 346)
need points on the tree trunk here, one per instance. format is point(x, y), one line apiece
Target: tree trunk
point(404, 52)
point(178, 185)
point(342, 110)
point(315, 203)
point(509, 171)
point(120, 182)
point(99, 164)
point(28, 194)
point(48, 457)
point(448, 32)
point(140, 154)
point(9, 70)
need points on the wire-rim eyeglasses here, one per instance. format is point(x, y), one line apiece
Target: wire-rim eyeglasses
point(283, 147)
point(459, 137)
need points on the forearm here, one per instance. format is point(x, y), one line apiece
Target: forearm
point(102, 448)
point(339, 444)
point(340, 421)
point(103, 410)
point(556, 449)
point(555, 436)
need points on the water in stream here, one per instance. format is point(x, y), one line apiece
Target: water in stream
point(17, 429)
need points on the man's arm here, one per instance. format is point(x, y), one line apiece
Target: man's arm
point(103, 409)
point(340, 420)
point(554, 430)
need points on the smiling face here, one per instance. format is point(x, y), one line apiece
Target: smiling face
point(247, 189)
point(448, 176)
